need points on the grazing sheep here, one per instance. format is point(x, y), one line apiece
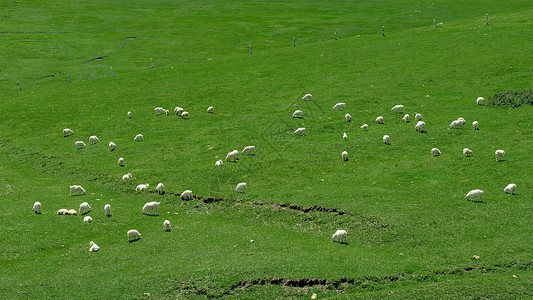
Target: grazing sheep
point(210, 109)
point(166, 224)
point(480, 100)
point(141, 187)
point(405, 118)
point(133, 235)
point(112, 146)
point(478, 194)
point(93, 139)
point(510, 189)
point(297, 114)
point(241, 187)
point(467, 152)
point(379, 120)
point(126, 176)
point(435, 151)
point(307, 97)
point(160, 110)
point(84, 208)
point(499, 155)
point(250, 150)
point(475, 125)
point(348, 117)
point(121, 162)
point(397, 108)
point(160, 188)
point(37, 208)
point(339, 106)
point(300, 131)
point(420, 126)
point(386, 139)
point(150, 208)
point(76, 189)
point(463, 122)
point(62, 211)
point(186, 195)
point(219, 163)
point(456, 124)
point(107, 209)
point(178, 111)
point(139, 138)
point(79, 145)
point(418, 116)
point(67, 132)
point(344, 136)
point(129, 114)
point(340, 236)
point(364, 127)
point(87, 219)
point(232, 156)
point(94, 247)
point(185, 115)
point(344, 156)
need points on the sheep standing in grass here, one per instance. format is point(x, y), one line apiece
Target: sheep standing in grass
point(93, 247)
point(463, 122)
point(364, 127)
point(84, 208)
point(307, 97)
point(418, 116)
point(379, 120)
point(166, 224)
point(241, 187)
point(79, 145)
point(139, 138)
point(178, 111)
point(160, 111)
point(510, 189)
point(112, 146)
point(340, 236)
point(456, 124)
point(121, 162)
point(160, 188)
point(107, 209)
point(397, 109)
point(62, 211)
point(126, 176)
point(499, 155)
point(435, 152)
point(344, 136)
point(219, 162)
point(420, 126)
point(475, 125)
point(129, 114)
point(300, 131)
point(478, 194)
point(93, 139)
point(348, 117)
point(76, 189)
point(185, 115)
point(133, 235)
point(467, 152)
point(87, 219)
point(186, 195)
point(232, 156)
point(386, 139)
point(480, 100)
point(405, 118)
point(37, 208)
point(344, 156)
point(297, 114)
point(339, 106)
point(249, 150)
point(210, 109)
point(141, 187)
point(67, 132)
point(150, 208)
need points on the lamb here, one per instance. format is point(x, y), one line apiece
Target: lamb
point(139, 138)
point(379, 120)
point(386, 139)
point(72, 212)
point(339, 106)
point(37, 208)
point(150, 208)
point(420, 126)
point(93, 139)
point(107, 209)
point(219, 163)
point(232, 156)
point(510, 189)
point(160, 110)
point(475, 125)
point(456, 124)
point(435, 151)
point(344, 136)
point(250, 150)
point(397, 108)
point(94, 247)
point(178, 111)
point(463, 122)
point(478, 194)
point(129, 114)
point(418, 116)
point(79, 145)
point(300, 131)
point(133, 235)
point(76, 189)
point(210, 109)
point(185, 115)
point(241, 187)
point(297, 114)
point(121, 162)
point(112, 146)
point(307, 97)
point(340, 236)
point(84, 208)
point(87, 219)
point(499, 155)
point(405, 118)
point(67, 132)
point(160, 188)
point(126, 176)
point(480, 100)
point(186, 195)
point(348, 117)
point(467, 152)
point(344, 156)
point(141, 187)
point(364, 127)
point(62, 211)
point(166, 224)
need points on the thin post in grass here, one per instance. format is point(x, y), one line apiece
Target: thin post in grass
point(486, 19)
point(112, 73)
point(294, 41)
point(20, 87)
point(383, 30)
point(250, 46)
point(433, 24)
point(336, 36)
point(68, 77)
point(152, 62)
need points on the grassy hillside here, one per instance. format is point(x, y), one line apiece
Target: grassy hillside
point(411, 232)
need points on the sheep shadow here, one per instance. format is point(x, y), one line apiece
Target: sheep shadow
point(132, 241)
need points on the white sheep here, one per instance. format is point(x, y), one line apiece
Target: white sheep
point(499, 155)
point(364, 127)
point(478, 194)
point(420, 126)
point(139, 138)
point(463, 122)
point(93, 139)
point(250, 150)
point(386, 139)
point(150, 208)
point(344, 156)
point(186, 195)
point(67, 132)
point(348, 117)
point(62, 211)
point(166, 224)
point(185, 115)
point(126, 176)
point(93, 247)
point(129, 114)
point(405, 118)
point(418, 116)
point(72, 212)
point(345, 136)
point(510, 189)
point(340, 236)
point(160, 188)
point(467, 152)
point(141, 187)
point(241, 187)
point(37, 208)
point(121, 162)
point(133, 235)
point(84, 208)
point(456, 124)
point(178, 111)
point(76, 189)
point(300, 131)
point(219, 162)
point(107, 209)
point(307, 97)
point(480, 100)
point(297, 114)
point(339, 106)
point(79, 145)
point(232, 156)
point(475, 125)
point(397, 109)
point(112, 146)
point(160, 110)
point(87, 219)
point(210, 109)
point(435, 151)
point(379, 120)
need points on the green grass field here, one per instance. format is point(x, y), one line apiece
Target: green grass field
point(411, 232)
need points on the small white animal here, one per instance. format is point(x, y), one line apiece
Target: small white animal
point(300, 131)
point(185, 115)
point(76, 189)
point(241, 187)
point(93, 139)
point(418, 116)
point(348, 117)
point(178, 110)
point(87, 219)
point(344, 156)
point(141, 187)
point(139, 138)
point(112, 146)
point(160, 188)
point(478, 194)
point(126, 176)
point(62, 211)
point(186, 195)
point(379, 120)
point(364, 127)
point(250, 150)
point(121, 162)
point(397, 108)
point(467, 152)
point(219, 163)
point(339, 106)
point(150, 208)
point(340, 236)
point(405, 118)
point(420, 126)
point(475, 125)
point(307, 97)
point(232, 156)
point(480, 100)
point(67, 132)
point(160, 110)
point(129, 114)
point(37, 208)
point(345, 136)
point(210, 109)
point(386, 139)
point(463, 122)
point(133, 235)
point(297, 114)
point(456, 124)
point(510, 189)
point(435, 151)
point(84, 208)
point(79, 145)
point(94, 247)
point(166, 224)
point(72, 212)
point(499, 155)
point(107, 209)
